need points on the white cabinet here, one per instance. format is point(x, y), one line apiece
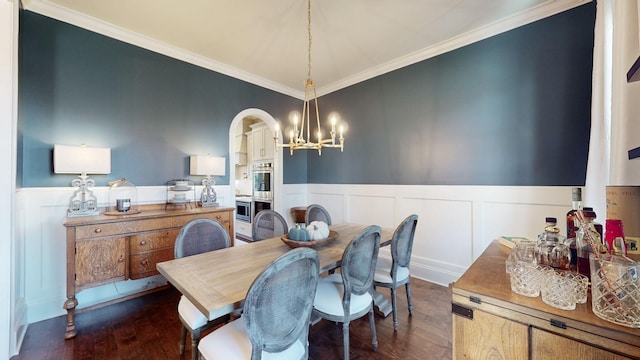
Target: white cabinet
point(262, 139)
point(243, 230)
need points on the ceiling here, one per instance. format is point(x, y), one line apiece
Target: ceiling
point(265, 42)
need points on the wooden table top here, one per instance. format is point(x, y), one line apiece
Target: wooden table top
point(215, 282)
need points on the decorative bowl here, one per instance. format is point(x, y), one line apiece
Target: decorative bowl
point(311, 243)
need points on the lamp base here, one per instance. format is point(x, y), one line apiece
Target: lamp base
point(77, 213)
point(208, 197)
point(208, 204)
point(83, 202)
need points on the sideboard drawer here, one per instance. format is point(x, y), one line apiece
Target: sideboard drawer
point(99, 230)
point(153, 240)
point(143, 265)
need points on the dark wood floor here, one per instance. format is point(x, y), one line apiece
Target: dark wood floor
point(148, 328)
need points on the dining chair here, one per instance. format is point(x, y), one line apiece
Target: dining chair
point(268, 224)
point(317, 212)
point(349, 295)
point(276, 316)
point(196, 237)
point(396, 274)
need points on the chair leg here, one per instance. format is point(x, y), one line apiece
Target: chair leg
point(183, 339)
point(195, 339)
point(345, 340)
point(407, 286)
point(372, 324)
point(394, 308)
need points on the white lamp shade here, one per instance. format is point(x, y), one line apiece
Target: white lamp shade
point(207, 165)
point(69, 159)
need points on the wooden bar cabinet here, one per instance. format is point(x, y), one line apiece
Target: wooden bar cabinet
point(105, 249)
point(492, 322)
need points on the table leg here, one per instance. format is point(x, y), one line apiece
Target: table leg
point(381, 305)
point(70, 306)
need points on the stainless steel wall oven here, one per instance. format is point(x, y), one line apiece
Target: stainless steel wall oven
point(263, 181)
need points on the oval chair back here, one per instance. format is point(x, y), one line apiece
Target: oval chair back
point(268, 224)
point(200, 236)
point(317, 212)
point(402, 241)
point(277, 309)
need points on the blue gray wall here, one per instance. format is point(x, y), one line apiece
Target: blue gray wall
point(153, 111)
point(513, 109)
point(510, 110)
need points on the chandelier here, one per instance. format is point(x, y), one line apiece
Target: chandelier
point(300, 135)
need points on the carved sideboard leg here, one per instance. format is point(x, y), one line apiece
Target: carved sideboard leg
point(70, 306)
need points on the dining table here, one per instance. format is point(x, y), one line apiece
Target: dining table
point(216, 282)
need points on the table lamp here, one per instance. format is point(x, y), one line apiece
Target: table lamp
point(83, 160)
point(207, 166)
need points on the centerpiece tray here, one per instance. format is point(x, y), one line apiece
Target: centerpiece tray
point(311, 243)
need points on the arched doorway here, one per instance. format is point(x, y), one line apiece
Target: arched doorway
point(265, 117)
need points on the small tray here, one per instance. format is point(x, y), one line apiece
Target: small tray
point(312, 243)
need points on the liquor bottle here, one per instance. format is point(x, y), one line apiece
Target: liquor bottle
point(587, 238)
point(572, 227)
point(576, 204)
point(551, 248)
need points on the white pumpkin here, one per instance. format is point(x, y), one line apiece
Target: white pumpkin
point(318, 230)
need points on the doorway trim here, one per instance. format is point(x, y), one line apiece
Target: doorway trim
point(277, 155)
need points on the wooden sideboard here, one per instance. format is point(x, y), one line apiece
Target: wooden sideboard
point(104, 249)
point(492, 322)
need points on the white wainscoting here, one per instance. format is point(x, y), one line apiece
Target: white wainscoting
point(456, 224)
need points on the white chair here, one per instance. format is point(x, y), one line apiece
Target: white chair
point(196, 237)
point(349, 295)
point(277, 311)
point(397, 274)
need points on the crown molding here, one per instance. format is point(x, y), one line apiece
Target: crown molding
point(75, 18)
point(549, 8)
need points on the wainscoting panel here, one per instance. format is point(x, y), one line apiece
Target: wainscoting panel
point(456, 224)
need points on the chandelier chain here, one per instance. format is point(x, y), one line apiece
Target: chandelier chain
point(309, 33)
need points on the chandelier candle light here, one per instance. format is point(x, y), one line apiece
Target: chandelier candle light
point(297, 139)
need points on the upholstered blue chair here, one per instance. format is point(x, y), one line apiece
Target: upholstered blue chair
point(397, 274)
point(196, 237)
point(349, 295)
point(276, 315)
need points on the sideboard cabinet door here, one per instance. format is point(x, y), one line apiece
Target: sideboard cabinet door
point(489, 337)
point(100, 261)
point(546, 345)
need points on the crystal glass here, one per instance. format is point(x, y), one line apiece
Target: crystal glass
point(563, 289)
point(525, 250)
point(525, 277)
point(615, 289)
